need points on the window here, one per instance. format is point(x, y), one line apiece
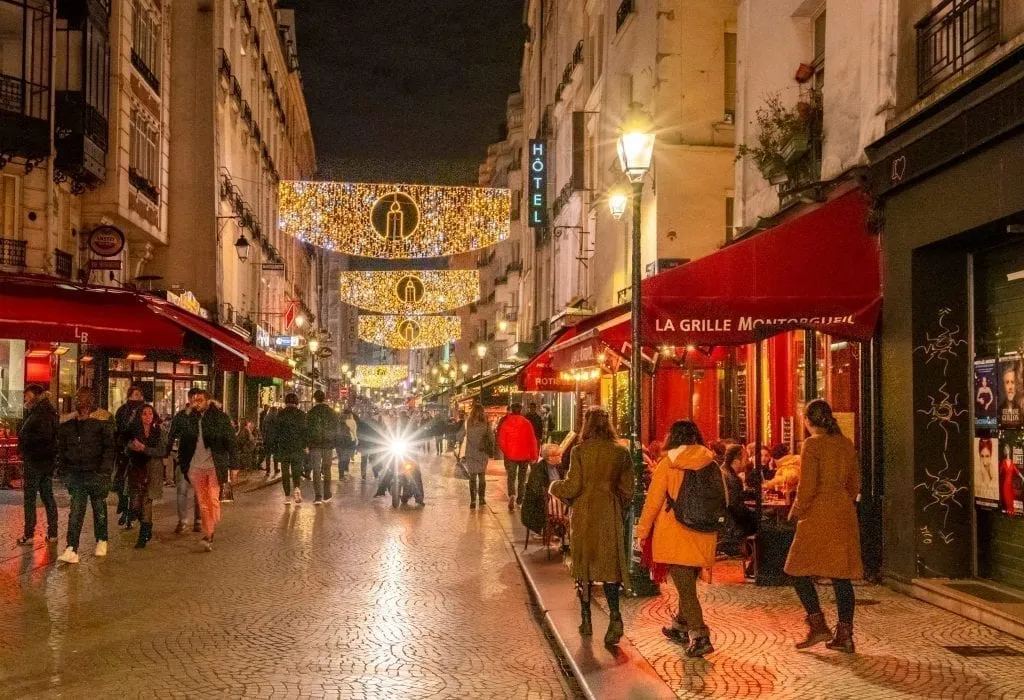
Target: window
point(144, 149)
point(516, 200)
point(9, 207)
point(730, 228)
point(25, 51)
point(730, 77)
point(146, 43)
point(819, 51)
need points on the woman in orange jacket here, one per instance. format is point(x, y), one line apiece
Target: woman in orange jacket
point(685, 551)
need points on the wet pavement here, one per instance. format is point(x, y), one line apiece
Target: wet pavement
point(350, 599)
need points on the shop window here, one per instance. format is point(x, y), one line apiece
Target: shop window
point(12, 384)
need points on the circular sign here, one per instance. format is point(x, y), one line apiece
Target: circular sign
point(106, 241)
point(325, 352)
point(409, 289)
point(409, 330)
point(395, 217)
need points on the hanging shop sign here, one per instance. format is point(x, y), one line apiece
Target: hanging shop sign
point(273, 267)
point(104, 264)
point(286, 341)
point(106, 242)
point(262, 337)
point(538, 191)
point(187, 300)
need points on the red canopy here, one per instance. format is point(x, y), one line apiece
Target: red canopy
point(232, 352)
point(42, 309)
point(539, 375)
point(820, 271)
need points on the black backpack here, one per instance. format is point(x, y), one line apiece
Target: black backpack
point(701, 502)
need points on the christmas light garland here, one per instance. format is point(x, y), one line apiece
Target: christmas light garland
point(380, 376)
point(394, 221)
point(404, 332)
point(415, 292)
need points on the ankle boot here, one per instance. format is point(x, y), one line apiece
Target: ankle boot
point(615, 629)
point(586, 627)
point(145, 535)
point(817, 631)
point(700, 645)
point(843, 641)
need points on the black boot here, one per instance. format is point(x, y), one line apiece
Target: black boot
point(586, 627)
point(615, 626)
point(700, 644)
point(145, 535)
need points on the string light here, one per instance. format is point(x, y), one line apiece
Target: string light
point(395, 221)
point(410, 332)
point(415, 292)
point(380, 376)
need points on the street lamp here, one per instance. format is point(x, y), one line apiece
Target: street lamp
point(636, 150)
point(242, 247)
point(300, 320)
point(618, 200)
point(502, 325)
point(314, 346)
point(481, 352)
point(464, 367)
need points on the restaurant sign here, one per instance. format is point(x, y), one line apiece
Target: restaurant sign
point(106, 241)
point(187, 300)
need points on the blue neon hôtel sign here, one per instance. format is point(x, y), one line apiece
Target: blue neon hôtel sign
point(538, 191)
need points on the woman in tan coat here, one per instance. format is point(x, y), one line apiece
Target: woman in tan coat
point(685, 551)
point(827, 541)
point(599, 485)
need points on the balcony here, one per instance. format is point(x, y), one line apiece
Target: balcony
point(144, 186)
point(148, 75)
point(63, 263)
point(12, 252)
point(81, 139)
point(953, 36)
point(24, 119)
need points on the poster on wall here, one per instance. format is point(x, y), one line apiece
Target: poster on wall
point(986, 471)
point(986, 400)
point(1011, 475)
point(1009, 392)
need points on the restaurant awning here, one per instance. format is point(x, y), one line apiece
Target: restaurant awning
point(232, 352)
point(820, 271)
point(43, 309)
point(538, 374)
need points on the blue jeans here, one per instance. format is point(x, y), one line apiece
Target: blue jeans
point(183, 487)
point(87, 487)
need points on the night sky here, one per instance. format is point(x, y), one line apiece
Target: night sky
point(407, 90)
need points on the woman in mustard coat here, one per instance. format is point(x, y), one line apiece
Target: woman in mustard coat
point(827, 540)
point(685, 551)
point(599, 485)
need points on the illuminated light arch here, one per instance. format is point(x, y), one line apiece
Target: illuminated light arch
point(410, 332)
point(412, 292)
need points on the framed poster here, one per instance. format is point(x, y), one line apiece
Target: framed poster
point(1009, 392)
point(986, 398)
point(986, 471)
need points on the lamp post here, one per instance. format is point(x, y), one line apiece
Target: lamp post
point(481, 352)
point(636, 151)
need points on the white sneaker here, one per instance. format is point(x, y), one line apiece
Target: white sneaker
point(207, 545)
point(287, 501)
point(70, 556)
point(318, 503)
point(297, 494)
point(101, 548)
point(328, 499)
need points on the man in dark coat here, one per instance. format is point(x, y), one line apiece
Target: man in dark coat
point(126, 415)
point(290, 438)
point(322, 426)
point(37, 442)
point(537, 421)
point(182, 486)
point(85, 456)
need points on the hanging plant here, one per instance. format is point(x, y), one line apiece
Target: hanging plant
point(785, 135)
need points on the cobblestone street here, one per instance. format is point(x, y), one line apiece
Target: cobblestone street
point(349, 600)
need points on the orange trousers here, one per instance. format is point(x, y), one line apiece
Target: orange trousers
point(204, 481)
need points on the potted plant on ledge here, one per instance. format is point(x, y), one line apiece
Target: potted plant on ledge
point(785, 136)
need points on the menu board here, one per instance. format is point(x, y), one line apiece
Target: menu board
point(986, 398)
point(1010, 392)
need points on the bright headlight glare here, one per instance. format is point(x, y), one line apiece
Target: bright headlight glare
point(399, 448)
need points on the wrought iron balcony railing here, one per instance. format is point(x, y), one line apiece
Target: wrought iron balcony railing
point(63, 263)
point(953, 36)
point(12, 252)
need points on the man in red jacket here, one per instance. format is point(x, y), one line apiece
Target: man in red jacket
point(518, 443)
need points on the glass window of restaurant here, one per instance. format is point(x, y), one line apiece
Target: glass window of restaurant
point(165, 384)
point(12, 384)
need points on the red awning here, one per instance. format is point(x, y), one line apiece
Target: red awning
point(232, 353)
point(607, 329)
point(539, 375)
point(820, 271)
point(43, 309)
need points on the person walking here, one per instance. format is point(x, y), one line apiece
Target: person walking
point(124, 419)
point(452, 428)
point(537, 421)
point(147, 447)
point(827, 540)
point(348, 440)
point(684, 550)
point(290, 443)
point(37, 442)
point(85, 455)
point(183, 488)
point(520, 447)
point(477, 448)
point(323, 427)
point(599, 485)
point(206, 451)
point(272, 465)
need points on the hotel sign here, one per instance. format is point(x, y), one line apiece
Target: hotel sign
point(538, 191)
